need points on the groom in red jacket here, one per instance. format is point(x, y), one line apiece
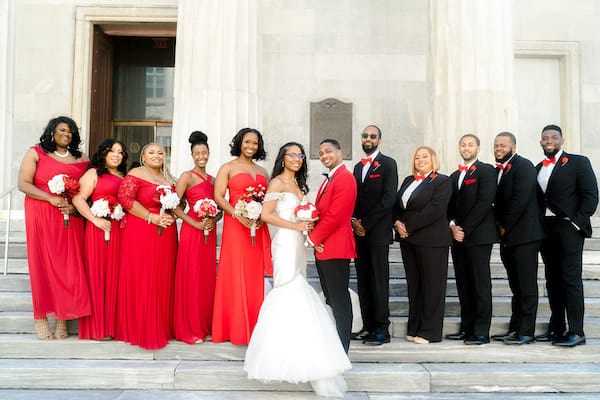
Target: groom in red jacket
point(333, 238)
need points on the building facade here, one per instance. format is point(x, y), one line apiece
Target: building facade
point(424, 71)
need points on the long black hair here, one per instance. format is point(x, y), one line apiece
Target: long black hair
point(301, 174)
point(98, 159)
point(236, 144)
point(47, 138)
point(198, 137)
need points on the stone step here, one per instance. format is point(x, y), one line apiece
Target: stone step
point(74, 394)
point(21, 322)
point(190, 375)
point(364, 377)
point(22, 346)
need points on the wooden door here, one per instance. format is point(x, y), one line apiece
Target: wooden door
point(102, 88)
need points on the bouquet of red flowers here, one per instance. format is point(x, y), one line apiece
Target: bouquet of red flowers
point(67, 187)
point(250, 206)
point(206, 208)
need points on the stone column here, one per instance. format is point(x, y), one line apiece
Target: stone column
point(470, 74)
point(216, 76)
point(10, 157)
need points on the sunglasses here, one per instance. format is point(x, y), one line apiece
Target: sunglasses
point(367, 135)
point(294, 156)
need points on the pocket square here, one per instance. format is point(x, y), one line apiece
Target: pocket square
point(373, 176)
point(469, 181)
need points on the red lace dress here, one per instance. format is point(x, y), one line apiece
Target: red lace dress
point(58, 284)
point(145, 293)
point(101, 262)
point(240, 278)
point(196, 272)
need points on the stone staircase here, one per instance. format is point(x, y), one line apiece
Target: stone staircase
point(448, 370)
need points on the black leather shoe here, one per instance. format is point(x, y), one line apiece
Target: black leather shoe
point(520, 340)
point(571, 340)
point(377, 339)
point(550, 336)
point(457, 336)
point(501, 338)
point(477, 340)
point(361, 335)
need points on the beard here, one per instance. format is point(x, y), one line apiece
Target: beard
point(550, 154)
point(369, 149)
point(505, 158)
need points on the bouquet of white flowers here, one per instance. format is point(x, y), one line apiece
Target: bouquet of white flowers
point(168, 200)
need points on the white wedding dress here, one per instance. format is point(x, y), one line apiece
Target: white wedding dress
point(295, 339)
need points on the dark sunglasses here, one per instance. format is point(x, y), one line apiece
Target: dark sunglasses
point(367, 135)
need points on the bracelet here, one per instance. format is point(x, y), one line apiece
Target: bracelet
point(149, 218)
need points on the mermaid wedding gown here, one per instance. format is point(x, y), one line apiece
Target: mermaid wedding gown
point(295, 339)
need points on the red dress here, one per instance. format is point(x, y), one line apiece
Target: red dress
point(196, 272)
point(58, 284)
point(240, 278)
point(145, 293)
point(101, 262)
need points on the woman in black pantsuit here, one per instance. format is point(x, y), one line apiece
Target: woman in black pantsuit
point(422, 229)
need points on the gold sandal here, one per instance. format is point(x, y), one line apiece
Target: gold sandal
point(61, 331)
point(42, 329)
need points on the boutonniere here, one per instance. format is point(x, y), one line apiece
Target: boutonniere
point(473, 168)
point(564, 160)
point(376, 165)
point(432, 176)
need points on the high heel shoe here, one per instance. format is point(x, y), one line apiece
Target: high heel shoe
point(42, 329)
point(61, 331)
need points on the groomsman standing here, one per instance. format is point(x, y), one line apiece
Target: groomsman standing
point(332, 237)
point(568, 196)
point(377, 181)
point(473, 227)
point(520, 226)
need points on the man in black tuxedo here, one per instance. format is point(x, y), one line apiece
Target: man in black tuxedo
point(520, 227)
point(568, 196)
point(377, 181)
point(473, 227)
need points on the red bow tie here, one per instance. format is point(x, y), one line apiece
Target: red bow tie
point(463, 168)
point(365, 161)
point(547, 162)
point(500, 166)
point(419, 177)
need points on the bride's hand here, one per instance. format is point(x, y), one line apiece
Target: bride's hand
point(304, 226)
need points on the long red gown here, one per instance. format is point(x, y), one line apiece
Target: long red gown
point(101, 262)
point(145, 293)
point(240, 278)
point(58, 284)
point(196, 272)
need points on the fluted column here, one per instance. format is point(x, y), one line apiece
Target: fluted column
point(470, 73)
point(216, 77)
point(8, 154)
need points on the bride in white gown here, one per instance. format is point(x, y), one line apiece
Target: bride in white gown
point(295, 339)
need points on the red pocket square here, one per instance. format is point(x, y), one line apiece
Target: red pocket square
point(373, 176)
point(469, 181)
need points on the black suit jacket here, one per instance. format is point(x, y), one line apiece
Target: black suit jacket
point(572, 191)
point(425, 214)
point(471, 207)
point(376, 197)
point(516, 206)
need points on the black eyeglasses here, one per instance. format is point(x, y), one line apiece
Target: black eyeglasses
point(367, 135)
point(294, 155)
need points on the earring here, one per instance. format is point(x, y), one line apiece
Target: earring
point(282, 164)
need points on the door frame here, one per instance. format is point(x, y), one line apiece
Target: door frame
point(86, 18)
